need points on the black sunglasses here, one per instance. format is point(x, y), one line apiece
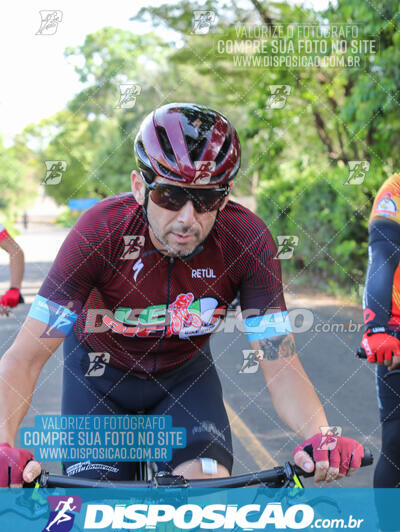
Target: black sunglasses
point(173, 197)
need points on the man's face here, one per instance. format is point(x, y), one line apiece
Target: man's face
point(178, 233)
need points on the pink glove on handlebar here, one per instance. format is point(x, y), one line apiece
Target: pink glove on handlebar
point(11, 298)
point(341, 452)
point(14, 459)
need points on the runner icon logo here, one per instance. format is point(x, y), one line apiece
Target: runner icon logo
point(251, 359)
point(329, 438)
point(97, 364)
point(61, 518)
point(132, 246)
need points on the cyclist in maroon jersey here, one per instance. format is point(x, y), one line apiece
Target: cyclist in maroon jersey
point(12, 297)
point(145, 278)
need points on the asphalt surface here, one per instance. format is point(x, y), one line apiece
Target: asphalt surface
point(344, 384)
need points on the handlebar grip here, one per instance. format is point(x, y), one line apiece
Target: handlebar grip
point(367, 460)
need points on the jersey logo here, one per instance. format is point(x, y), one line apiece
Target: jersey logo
point(369, 315)
point(133, 246)
point(59, 319)
point(181, 315)
point(386, 206)
point(184, 317)
point(199, 273)
point(137, 267)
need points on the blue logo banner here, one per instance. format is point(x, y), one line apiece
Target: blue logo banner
point(188, 509)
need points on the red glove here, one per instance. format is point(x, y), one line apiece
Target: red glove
point(11, 298)
point(341, 452)
point(379, 345)
point(15, 460)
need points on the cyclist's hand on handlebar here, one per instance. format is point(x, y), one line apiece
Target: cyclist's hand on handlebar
point(381, 347)
point(11, 298)
point(17, 466)
point(334, 456)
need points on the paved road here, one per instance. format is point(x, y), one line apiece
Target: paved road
point(344, 384)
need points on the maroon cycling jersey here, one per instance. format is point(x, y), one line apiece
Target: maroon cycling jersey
point(149, 312)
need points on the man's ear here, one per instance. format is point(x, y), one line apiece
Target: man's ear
point(138, 187)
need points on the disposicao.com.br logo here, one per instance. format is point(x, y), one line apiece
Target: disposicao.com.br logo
point(62, 513)
point(190, 516)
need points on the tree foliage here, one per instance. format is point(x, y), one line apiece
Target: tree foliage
point(300, 152)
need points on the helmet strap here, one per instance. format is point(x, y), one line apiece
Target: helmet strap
point(145, 204)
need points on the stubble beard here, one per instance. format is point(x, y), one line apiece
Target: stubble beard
point(176, 251)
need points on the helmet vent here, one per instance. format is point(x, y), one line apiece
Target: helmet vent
point(195, 147)
point(169, 173)
point(165, 144)
point(224, 150)
point(141, 153)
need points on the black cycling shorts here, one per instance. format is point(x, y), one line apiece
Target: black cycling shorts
point(191, 394)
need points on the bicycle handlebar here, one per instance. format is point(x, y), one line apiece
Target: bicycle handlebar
point(271, 476)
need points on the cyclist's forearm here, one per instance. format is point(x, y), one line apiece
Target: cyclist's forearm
point(383, 260)
point(17, 261)
point(19, 370)
point(295, 400)
point(16, 388)
point(292, 393)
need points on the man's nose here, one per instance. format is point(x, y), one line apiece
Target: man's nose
point(187, 213)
